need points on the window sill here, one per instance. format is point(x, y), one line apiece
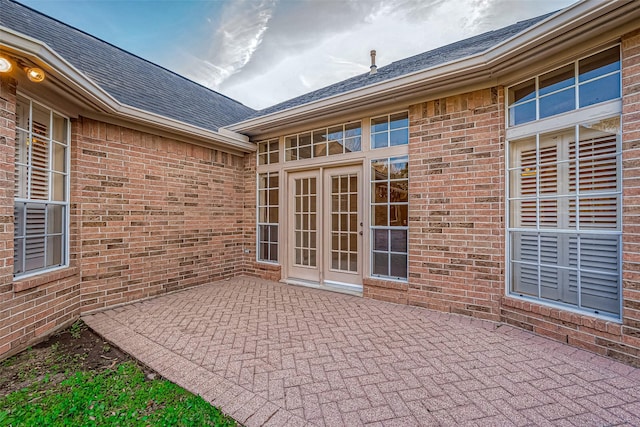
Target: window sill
point(560, 312)
point(27, 283)
point(268, 264)
point(386, 283)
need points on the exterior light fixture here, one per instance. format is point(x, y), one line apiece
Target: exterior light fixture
point(35, 74)
point(5, 64)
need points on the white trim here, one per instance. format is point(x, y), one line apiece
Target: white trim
point(258, 223)
point(65, 258)
point(569, 121)
point(102, 101)
point(566, 119)
point(580, 18)
point(577, 84)
point(331, 286)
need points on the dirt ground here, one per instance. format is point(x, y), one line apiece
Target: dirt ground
point(77, 348)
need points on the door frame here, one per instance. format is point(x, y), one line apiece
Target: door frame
point(317, 277)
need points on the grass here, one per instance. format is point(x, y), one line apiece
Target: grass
point(77, 379)
point(118, 397)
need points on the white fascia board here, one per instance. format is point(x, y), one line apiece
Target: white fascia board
point(576, 15)
point(473, 65)
point(104, 102)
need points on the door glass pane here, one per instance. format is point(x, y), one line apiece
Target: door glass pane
point(343, 189)
point(305, 221)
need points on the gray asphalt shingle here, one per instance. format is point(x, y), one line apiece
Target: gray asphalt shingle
point(129, 79)
point(142, 84)
point(422, 61)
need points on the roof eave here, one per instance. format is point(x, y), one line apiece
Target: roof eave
point(465, 71)
point(82, 87)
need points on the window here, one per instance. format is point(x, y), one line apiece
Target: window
point(325, 142)
point(268, 193)
point(390, 130)
point(582, 83)
point(268, 152)
point(564, 216)
point(389, 217)
point(41, 186)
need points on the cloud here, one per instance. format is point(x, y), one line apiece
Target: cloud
point(266, 52)
point(307, 59)
point(242, 25)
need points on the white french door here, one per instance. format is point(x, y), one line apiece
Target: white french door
point(325, 227)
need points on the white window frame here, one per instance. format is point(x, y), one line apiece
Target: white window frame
point(286, 150)
point(576, 85)
point(387, 132)
point(362, 157)
point(264, 151)
point(566, 120)
point(267, 205)
point(387, 228)
point(67, 187)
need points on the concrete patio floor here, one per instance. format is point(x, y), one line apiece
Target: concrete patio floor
point(280, 355)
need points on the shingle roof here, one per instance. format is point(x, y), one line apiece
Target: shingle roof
point(129, 79)
point(422, 61)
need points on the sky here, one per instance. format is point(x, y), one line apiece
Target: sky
point(262, 52)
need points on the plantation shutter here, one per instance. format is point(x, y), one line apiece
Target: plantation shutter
point(599, 254)
point(568, 186)
point(34, 246)
point(40, 160)
point(525, 248)
point(31, 174)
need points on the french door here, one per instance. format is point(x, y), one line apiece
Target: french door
point(325, 227)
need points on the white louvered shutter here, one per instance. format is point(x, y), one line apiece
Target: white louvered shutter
point(599, 254)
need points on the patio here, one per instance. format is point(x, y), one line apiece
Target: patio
point(273, 354)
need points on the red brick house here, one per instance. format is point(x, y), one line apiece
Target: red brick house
point(496, 177)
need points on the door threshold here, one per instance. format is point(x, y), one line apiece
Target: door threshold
point(343, 288)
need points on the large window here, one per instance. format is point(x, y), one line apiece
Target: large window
point(585, 82)
point(41, 188)
point(340, 139)
point(389, 217)
point(565, 216)
point(268, 216)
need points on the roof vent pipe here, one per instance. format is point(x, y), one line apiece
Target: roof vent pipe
point(374, 68)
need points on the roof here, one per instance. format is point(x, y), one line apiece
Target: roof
point(129, 79)
point(422, 61)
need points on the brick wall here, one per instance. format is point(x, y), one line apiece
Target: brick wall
point(34, 307)
point(631, 198)
point(156, 215)
point(456, 220)
point(149, 215)
point(251, 266)
point(456, 228)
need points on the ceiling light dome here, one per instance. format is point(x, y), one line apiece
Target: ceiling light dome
point(35, 74)
point(5, 64)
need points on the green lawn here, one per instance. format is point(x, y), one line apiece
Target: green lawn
point(121, 396)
